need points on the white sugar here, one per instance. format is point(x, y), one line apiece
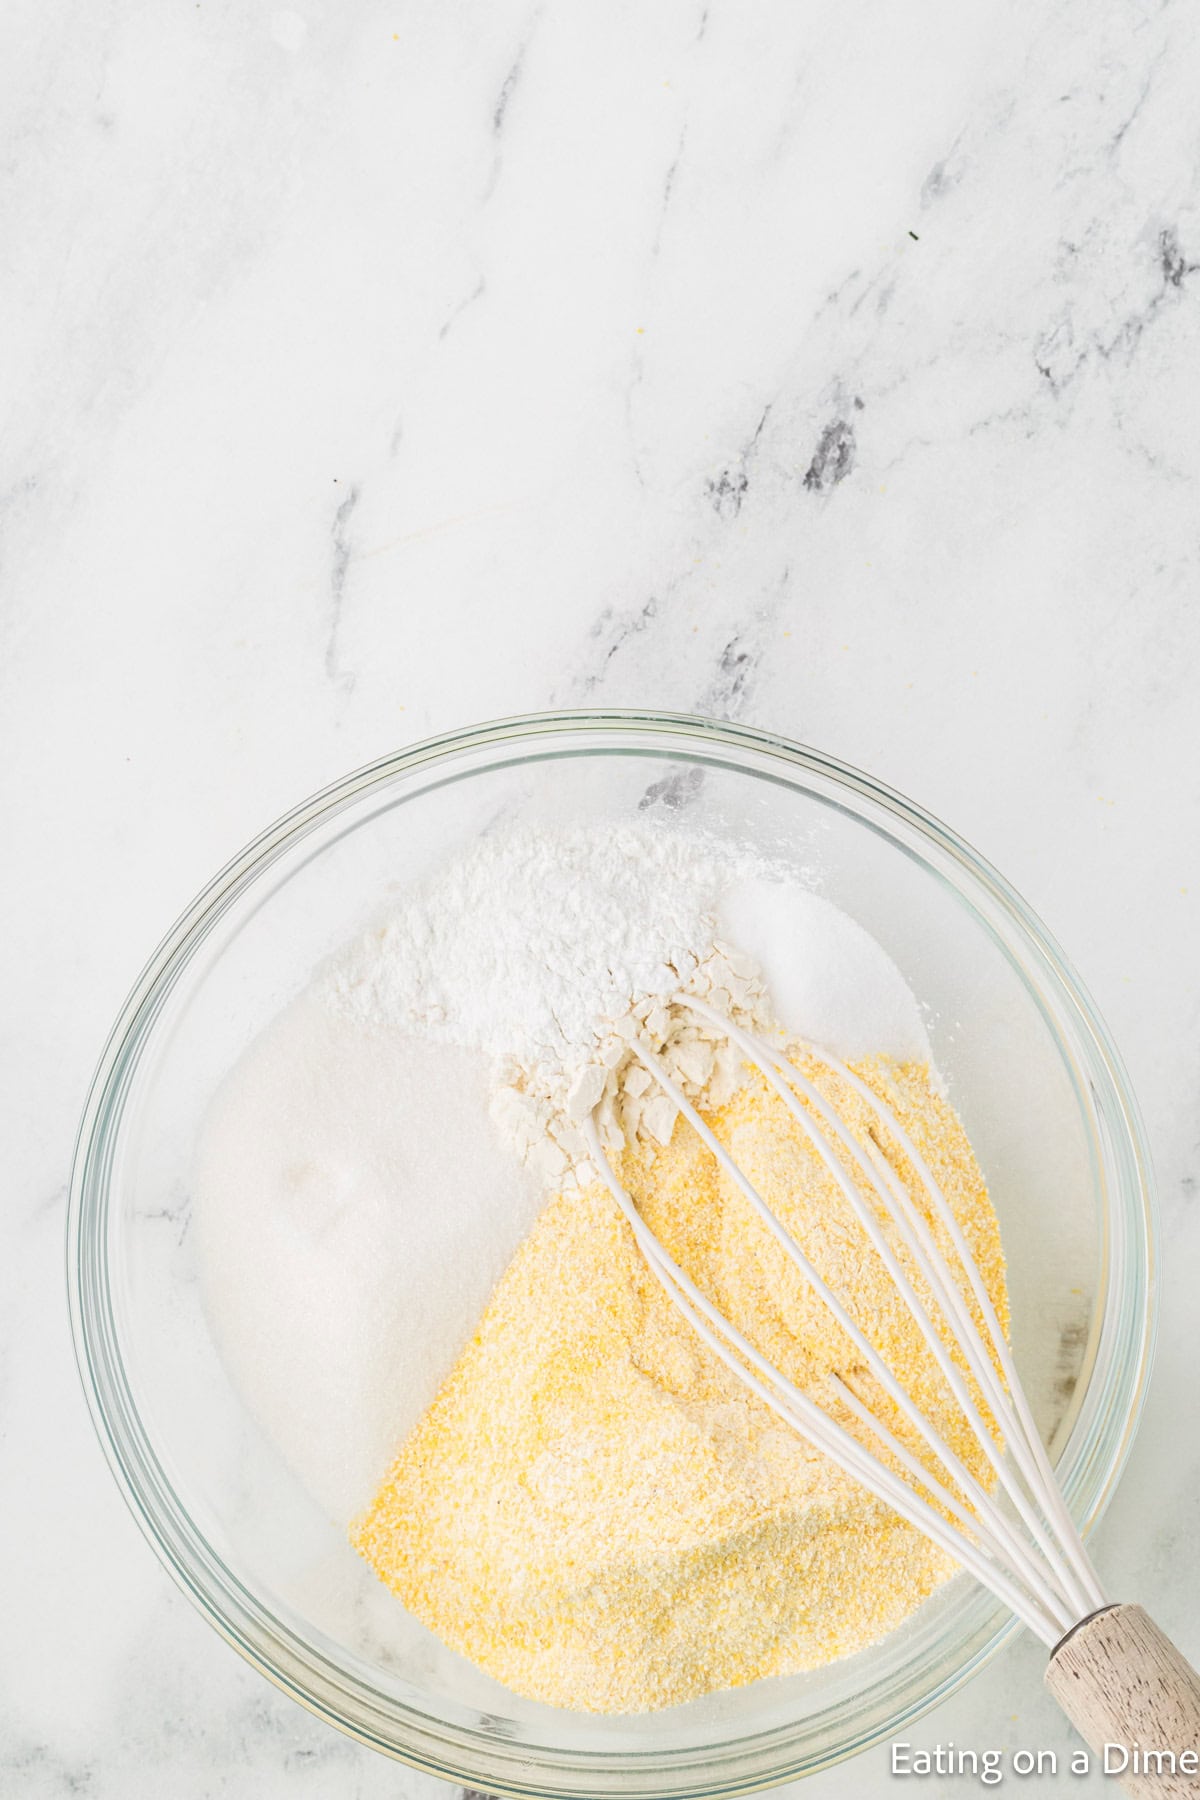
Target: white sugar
point(355, 1209)
point(829, 980)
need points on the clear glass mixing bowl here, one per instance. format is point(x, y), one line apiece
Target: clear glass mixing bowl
point(1031, 1071)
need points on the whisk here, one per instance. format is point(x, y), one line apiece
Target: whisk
point(1120, 1681)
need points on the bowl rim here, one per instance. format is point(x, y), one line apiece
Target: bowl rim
point(443, 1749)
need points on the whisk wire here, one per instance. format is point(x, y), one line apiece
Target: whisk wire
point(957, 1318)
point(1042, 1479)
point(1037, 1570)
point(1049, 1584)
point(804, 1415)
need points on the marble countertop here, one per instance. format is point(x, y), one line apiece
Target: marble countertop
point(375, 369)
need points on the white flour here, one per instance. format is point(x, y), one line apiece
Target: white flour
point(356, 1203)
point(519, 946)
point(536, 946)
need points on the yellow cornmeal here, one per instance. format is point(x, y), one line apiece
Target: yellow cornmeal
point(595, 1510)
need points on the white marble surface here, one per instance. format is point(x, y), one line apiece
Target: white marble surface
point(376, 368)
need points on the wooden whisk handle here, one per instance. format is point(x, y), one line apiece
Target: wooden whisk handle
point(1124, 1685)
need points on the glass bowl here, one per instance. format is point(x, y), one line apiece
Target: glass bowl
point(1030, 1069)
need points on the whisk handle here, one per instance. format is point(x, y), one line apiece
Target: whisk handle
point(1125, 1686)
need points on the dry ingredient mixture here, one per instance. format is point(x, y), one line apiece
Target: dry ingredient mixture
point(585, 1503)
point(596, 1511)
